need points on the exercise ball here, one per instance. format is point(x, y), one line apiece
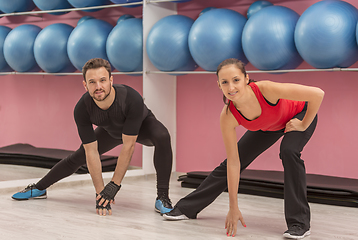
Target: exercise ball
point(325, 34)
point(257, 6)
point(87, 41)
point(4, 31)
point(10, 6)
point(167, 44)
point(125, 45)
point(268, 39)
point(127, 1)
point(82, 19)
point(45, 5)
point(124, 17)
point(216, 36)
point(206, 10)
point(19, 48)
point(50, 48)
point(88, 3)
point(182, 1)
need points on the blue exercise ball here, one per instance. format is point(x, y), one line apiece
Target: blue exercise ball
point(124, 17)
point(19, 48)
point(4, 67)
point(181, 1)
point(10, 6)
point(85, 18)
point(125, 45)
point(257, 6)
point(127, 1)
point(216, 36)
point(88, 3)
point(325, 34)
point(167, 44)
point(50, 48)
point(45, 5)
point(268, 39)
point(206, 10)
point(87, 41)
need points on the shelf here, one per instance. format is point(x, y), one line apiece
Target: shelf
point(260, 71)
point(82, 9)
point(69, 9)
point(190, 72)
point(64, 74)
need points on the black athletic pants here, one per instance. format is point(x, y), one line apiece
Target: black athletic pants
point(250, 146)
point(151, 133)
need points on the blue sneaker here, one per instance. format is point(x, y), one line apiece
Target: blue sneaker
point(163, 204)
point(30, 192)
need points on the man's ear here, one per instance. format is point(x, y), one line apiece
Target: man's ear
point(111, 80)
point(84, 85)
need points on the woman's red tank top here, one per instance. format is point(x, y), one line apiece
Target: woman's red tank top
point(273, 116)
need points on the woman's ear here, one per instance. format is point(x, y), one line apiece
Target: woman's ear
point(218, 84)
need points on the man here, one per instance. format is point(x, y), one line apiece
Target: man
point(121, 117)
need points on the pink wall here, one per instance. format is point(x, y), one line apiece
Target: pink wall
point(331, 151)
point(39, 109)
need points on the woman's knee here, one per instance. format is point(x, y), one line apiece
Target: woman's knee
point(289, 153)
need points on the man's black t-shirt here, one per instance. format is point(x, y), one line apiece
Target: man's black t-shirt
point(124, 116)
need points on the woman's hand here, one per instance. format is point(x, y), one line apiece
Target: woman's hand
point(233, 216)
point(295, 125)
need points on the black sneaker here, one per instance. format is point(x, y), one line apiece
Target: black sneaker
point(296, 232)
point(163, 204)
point(175, 215)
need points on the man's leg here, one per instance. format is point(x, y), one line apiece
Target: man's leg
point(67, 166)
point(154, 133)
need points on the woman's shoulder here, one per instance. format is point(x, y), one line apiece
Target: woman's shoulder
point(227, 118)
point(263, 83)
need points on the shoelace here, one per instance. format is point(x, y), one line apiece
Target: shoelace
point(29, 187)
point(165, 200)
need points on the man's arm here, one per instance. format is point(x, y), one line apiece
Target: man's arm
point(94, 165)
point(124, 158)
point(123, 161)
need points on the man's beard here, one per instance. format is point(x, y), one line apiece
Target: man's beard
point(104, 98)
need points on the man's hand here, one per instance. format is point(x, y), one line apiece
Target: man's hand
point(102, 210)
point(233, 216)
point(106, 197)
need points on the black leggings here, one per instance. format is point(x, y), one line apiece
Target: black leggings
point(151, 133)
point(250, 146)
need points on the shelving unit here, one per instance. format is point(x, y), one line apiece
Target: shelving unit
point(159, 92)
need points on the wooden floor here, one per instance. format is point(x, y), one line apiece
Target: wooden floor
point(68, 213)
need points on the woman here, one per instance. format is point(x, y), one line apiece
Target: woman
point(269, 111)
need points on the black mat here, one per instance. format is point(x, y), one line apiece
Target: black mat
point(28, 155)
point(320, 188)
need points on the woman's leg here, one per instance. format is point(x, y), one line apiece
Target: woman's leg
point(297, 211)
point(70, 164)
point(251, 145)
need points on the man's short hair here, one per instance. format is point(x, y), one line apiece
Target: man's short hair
point(96, 63)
